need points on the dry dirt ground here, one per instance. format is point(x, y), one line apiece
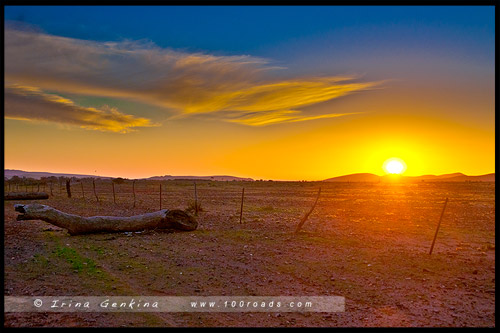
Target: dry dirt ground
point(366, 242)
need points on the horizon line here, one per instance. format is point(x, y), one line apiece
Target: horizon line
point(243, 177)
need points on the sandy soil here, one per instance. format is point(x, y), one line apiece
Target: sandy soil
point(366, 242)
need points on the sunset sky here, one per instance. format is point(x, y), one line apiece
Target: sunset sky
point(284, 93)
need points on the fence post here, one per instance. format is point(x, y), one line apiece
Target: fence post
point(93, 185)
point(114, 198)
point(437, 229)
point(68, 187)
point(195, 200)
point(83, 193)
point(241, 209)
point(307, 215)
point(133, 191)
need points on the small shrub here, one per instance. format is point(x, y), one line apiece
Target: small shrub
point(191, 208)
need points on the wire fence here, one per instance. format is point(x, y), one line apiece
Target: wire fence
point(152, 194)
point(412, 205)
point(244, 199)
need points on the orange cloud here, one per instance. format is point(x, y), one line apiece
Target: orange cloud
point(31, 103)
point(285, 116)
point(180, 82)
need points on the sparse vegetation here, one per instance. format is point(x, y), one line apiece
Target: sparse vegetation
point(367, 242)
point(119, 180)
point(77, 262)
point(193, 207)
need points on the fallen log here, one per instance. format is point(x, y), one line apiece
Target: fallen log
point(78, 225)
point(26, 196)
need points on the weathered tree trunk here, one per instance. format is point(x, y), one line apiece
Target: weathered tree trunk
point(77, 225)
point(26, 196)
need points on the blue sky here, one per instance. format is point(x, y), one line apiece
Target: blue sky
point(316, 40)
point(241, 29)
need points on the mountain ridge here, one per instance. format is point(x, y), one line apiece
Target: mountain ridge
point(215, 177)
point(450, 177)
point(9, 173)
point(355, 177)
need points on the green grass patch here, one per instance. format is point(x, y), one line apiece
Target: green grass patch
point(76, 261)
point(40, 260)
point(239, 235)
point(267, 209)
point(97, 249)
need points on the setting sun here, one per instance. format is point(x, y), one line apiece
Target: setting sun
point(394, 166)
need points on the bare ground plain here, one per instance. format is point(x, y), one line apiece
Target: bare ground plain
point(366, 242)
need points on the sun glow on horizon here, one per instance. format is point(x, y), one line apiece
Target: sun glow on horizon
point(395, 166)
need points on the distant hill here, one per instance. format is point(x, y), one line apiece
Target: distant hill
point(455, 177)
point(451, 177)
point(8, 173)
point(216, 178)
point(483, 178)
point(37, 175)
point(356, 177)
point(434, 177)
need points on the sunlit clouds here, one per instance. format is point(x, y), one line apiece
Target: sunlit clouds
point(252, 90)
point(280, 95)
point(30, 103)
point(285, 116)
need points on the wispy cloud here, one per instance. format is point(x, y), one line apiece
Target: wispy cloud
point(284, 116)
point(182, 82)
point(30, 103)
